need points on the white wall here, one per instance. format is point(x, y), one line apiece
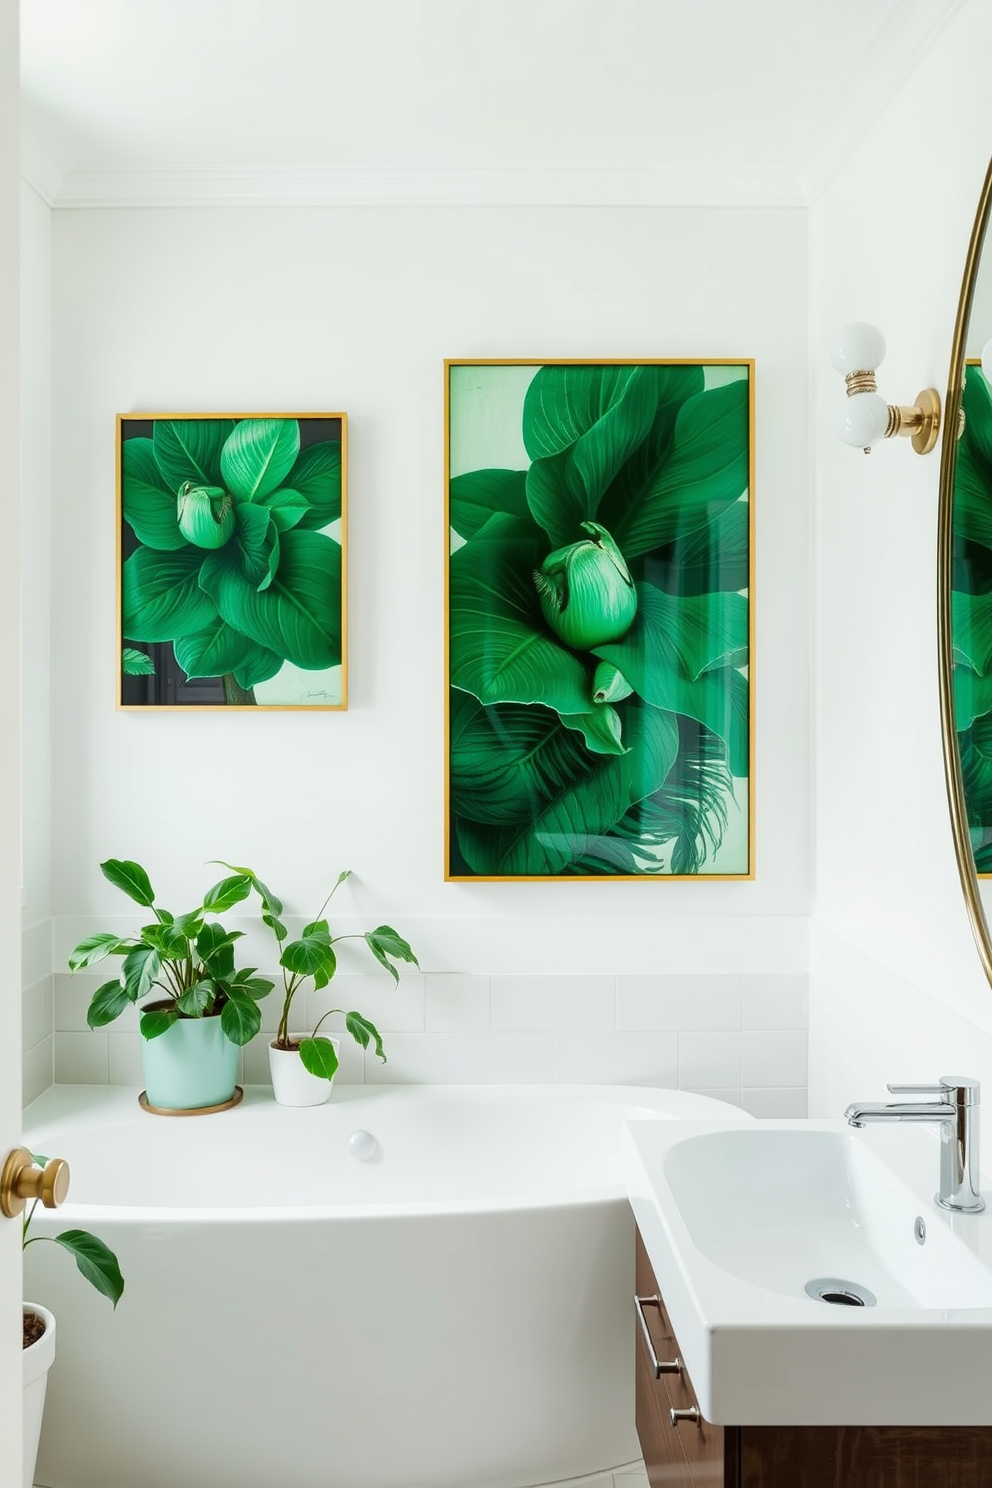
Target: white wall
point(36, 720)
point(311, 309)
point(896, 985)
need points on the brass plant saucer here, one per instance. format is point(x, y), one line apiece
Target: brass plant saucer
point(235, 1100)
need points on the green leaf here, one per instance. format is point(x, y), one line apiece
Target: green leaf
point(196, 1000)
point(691, 809)
point(285, 508)
point(972, 696)
point(973, 468)
point(384, 942)
point(189, 924)
point(508, 762)
point(501, 650)
point(594, 418)
point(671, 488)
point(676, 634)
point(252, 986)
point(975, 746)
point(681, 655)
point(240, 1018)
point(94, 948)
point(317, 925)
point(316, 477)
point(363, 1031)
point(161, 595)
point(95, 1260)
point(971, 630)
point(299, 615)
point(220, 649)
point(130, 877)
point(136, 663)
point(148, 503)
point(141, 967)
point(569, 825)
point(269, 900)
point(215, 948)
point(157, 1021)
point(228, 892)
point(476, 496)
point(714, 556)
point(168, 940)
point(189, 450)
point(600, 728)
point(252, 554)
point(107, 1003)
point(319, 1058)
point(258, 455)
point(311, 956)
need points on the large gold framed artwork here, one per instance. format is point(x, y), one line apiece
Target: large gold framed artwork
point(599, 619)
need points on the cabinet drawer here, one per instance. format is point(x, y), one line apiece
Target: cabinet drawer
point(690, 1453)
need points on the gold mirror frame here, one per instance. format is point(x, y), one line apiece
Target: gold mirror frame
point(945, 533)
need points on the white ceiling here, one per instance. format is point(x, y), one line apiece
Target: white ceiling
point(769, 93)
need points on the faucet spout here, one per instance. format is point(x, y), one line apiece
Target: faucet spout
point(957, 1112)
point(866, 1113)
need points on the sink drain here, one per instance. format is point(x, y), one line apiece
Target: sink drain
point(840, 1293)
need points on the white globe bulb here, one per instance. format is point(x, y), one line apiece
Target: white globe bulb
point(987, 361)
point(857, 347)
point(865, 420)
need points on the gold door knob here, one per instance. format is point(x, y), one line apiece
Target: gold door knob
point(21, 1180)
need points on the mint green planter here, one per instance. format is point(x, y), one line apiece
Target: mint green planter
point(192, 1064)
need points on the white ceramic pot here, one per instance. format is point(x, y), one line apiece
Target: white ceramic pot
point(38, 1360)
point(292, 1082)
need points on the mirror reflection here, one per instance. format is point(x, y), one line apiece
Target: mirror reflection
point(971, 576)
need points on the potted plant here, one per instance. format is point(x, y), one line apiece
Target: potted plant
point(205, 1009)
point(97, 1262)
point(303, 1065)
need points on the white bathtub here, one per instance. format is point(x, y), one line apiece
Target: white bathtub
point(454, 1310)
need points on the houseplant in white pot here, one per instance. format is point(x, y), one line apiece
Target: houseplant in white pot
point(303, 1064)
point(97, 1262)
point(202, 1009)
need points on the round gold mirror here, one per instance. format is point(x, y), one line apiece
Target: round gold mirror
point(964, 577)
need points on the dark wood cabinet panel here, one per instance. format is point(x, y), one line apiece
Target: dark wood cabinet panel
point(701, 1455)
point(867, 1456)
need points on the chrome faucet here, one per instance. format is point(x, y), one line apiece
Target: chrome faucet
point(957, 1111)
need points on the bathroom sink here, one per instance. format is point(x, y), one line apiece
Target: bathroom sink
point(809, 1276)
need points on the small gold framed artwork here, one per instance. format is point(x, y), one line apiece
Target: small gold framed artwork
point(231, 562)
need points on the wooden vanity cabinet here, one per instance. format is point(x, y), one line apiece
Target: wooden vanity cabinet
point(697, 1454)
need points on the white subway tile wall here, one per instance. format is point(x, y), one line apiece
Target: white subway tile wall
point(741, 1037)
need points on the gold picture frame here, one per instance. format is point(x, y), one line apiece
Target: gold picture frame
point(615, 741)
point(232, 579)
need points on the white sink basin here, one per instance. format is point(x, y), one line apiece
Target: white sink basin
point(739, 1219)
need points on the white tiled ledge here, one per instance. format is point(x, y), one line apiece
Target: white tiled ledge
point(741, 1037)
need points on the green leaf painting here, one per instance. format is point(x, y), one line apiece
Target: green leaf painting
point(971, 611)
point(599, 620)
point(232, 574)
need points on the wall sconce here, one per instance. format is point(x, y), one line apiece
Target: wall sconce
point(856, 352)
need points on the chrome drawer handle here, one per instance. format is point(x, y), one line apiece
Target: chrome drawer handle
point(691, 1413)
point(659, 1366)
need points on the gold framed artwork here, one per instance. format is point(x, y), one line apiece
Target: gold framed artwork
point(231, 567)
point(599, 619)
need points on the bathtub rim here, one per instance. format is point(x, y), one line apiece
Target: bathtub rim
point(90, 1107)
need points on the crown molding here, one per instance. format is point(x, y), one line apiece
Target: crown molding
point(351, 187)
point(42, 171)
point(885, 63)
